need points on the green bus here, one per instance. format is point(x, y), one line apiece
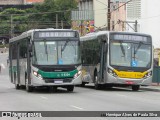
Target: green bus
point(45, 58)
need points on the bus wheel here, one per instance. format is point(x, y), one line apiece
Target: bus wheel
point(70, 88)
point(83, 84)
point(96, 85)
point(28, 88)
point(17, 86)
point(135, 87)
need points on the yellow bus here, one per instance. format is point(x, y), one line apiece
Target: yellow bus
point(117, 59)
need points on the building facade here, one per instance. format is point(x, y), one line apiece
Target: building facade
point(90, 16)
point(19, 2)
point(33, 1)
point(133, 13)
point(147, 14)
point(150, 20)
point(118, 15)
point(11, 2)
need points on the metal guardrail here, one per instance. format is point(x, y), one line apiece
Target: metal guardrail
point(156, 74)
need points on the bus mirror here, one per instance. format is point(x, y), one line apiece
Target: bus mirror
point(106, 48)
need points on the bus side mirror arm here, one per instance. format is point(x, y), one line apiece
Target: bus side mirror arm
point(30, 48)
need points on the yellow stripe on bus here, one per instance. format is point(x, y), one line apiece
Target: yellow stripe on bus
point(136, 75)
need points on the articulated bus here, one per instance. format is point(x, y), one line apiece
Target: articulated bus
point(45, 57)
point(117, 59)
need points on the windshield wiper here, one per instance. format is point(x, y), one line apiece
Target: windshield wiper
point(139, 45)
point(122, 49)
point(135, 50)
point(46, 51)
point(64, 46)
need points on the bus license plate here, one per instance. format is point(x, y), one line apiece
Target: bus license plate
point(58, 81)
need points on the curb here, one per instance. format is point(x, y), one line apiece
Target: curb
point(150, 89)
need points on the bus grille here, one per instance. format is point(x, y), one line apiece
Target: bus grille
point(66, 80)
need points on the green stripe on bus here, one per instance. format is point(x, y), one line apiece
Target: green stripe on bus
point(57, 74)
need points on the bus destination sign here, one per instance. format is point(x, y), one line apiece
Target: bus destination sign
point(130, 37)
point(54, 34)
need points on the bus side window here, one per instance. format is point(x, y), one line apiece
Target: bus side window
point(23, 49)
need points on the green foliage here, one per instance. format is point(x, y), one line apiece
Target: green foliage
point(40, 16)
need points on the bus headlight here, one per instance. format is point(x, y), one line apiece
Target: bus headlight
point(111, 72)
point(37, 75)
point(149, 74)
point(77, 74)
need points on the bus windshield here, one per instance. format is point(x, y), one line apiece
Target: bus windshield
point(56, 52)
point(129, 54)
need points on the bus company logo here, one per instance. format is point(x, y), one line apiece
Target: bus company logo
point(6, 114)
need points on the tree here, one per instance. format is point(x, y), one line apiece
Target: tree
point(40, 16)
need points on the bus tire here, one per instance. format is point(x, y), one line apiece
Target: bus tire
point(96, 85)
point(83, 84)
point(70, 88)
point(135, 87)
point(17, 86)
point(29, 88)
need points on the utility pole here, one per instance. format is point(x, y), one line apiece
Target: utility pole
point(56, 21)
point(127, 22)
point(11, 26)
point(109, 15)
point(62, 24)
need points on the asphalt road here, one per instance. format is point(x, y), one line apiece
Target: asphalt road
point(82, 99)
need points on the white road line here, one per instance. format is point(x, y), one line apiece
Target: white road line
point(77, 107)
point(44, 97)
point(3, 66)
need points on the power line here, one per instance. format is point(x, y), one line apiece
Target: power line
point(121, 5)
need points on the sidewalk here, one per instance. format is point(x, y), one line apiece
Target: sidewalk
point(153, 87)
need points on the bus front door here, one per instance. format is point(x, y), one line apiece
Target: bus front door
point(103, 55)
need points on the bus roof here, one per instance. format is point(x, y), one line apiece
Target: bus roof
point(29, 33)
point(94, 35)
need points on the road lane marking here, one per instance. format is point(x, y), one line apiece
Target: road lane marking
point(77, 107)
point(3, 66)
point(44, 97)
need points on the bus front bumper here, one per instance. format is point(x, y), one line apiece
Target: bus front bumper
point(56, 82)
point(129, 81)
